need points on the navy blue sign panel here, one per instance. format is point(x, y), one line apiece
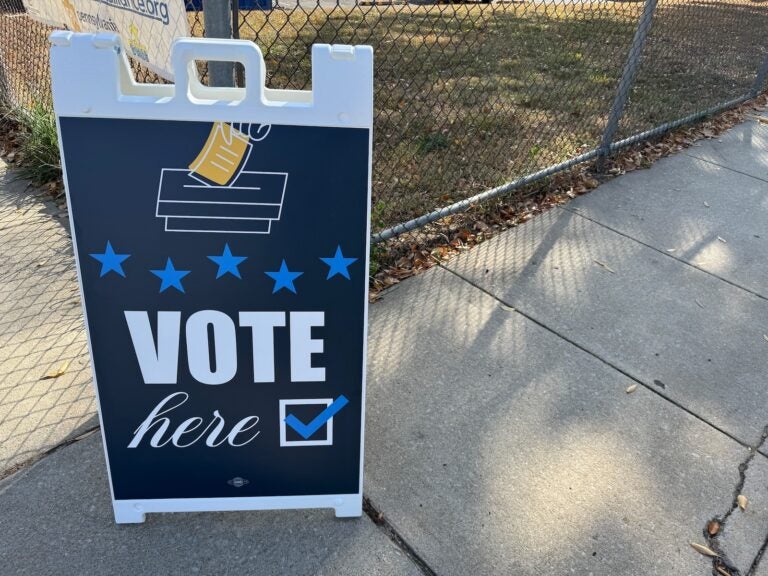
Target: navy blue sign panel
point(224, 284)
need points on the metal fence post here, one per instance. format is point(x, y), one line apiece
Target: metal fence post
point(762, 73)
point(627, 79)
point(239, 72)
point(218, 24)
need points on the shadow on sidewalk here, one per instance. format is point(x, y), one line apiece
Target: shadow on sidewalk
point(45, 381)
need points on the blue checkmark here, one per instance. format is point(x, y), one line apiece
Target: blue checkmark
point(306, 430)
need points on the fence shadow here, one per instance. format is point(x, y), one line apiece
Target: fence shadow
point(46, 395)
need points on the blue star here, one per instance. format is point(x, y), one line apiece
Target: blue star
point(110, 261)
point(284, 278)
point(227, 263)
point(170, 277)
point(338, 264)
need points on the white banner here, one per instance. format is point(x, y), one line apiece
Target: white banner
point(147, 27)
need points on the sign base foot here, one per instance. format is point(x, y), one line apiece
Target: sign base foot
point(350, 508)
point(126, 513)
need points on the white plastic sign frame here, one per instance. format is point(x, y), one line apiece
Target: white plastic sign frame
point(91, 79)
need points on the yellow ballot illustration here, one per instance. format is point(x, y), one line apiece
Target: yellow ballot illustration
point(223, 155)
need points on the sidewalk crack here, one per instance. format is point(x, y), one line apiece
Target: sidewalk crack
point(722, 565)
point(699, 158)
point(756, 561)
point(382, 522)
point(636, 379)
point(576, 211)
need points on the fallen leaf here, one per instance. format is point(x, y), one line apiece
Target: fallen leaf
point(591, 182)
point(699, 304)
point(58, 372)
point(722, 571)
point(631, 388)
point(706, 204)
point(713, 527)
point(704, 550)
point(604, 265)
point(741, 500)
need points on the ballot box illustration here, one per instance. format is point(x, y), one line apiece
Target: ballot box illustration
point(216, 194)
point(221, 237)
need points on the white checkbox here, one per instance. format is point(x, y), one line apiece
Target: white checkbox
point(313, 401)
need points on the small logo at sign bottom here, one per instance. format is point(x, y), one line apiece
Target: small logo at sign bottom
point(238, 482)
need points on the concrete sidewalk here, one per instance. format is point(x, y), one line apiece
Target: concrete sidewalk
point(500, 435)
point(41, 329)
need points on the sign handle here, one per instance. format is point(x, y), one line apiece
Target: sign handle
point(187, 87)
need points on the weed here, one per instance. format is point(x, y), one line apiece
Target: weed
point(432, 142)
point(38, 144)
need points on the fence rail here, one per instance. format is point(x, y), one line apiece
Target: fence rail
point(476, 100)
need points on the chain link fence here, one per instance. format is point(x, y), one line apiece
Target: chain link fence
point(24, 72)
point(476, 100)
point(24, 67)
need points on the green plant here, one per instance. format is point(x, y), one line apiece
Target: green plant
point(38, 144)
point(431, 142)
point(378, 211)
point(377, 254)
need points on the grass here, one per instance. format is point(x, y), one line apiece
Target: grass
point(470, 96)
point(464, 93)
point(37, 143)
